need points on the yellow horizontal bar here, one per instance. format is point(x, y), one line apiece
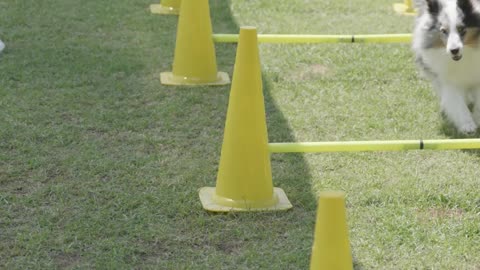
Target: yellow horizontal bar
point(272, 38)
point(363, 146)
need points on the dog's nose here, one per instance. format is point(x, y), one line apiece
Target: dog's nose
point(455, 51)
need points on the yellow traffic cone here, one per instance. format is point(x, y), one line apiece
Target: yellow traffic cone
point(331, 248)
point(166, 7)
point(405, 8)
point(244, 180)
point(194, 61)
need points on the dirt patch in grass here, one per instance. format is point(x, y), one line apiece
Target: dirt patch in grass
point(432, 214)
point(312, 71)
point(67, 261)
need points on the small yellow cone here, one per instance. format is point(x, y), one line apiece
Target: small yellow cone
point(194, 62)
point(166, 7)
point(331, 248)
point(405, 8)
point(244, 180)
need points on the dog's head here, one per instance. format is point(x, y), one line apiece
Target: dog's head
point(455, 22)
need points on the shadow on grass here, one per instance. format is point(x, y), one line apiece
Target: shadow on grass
point(290, 170)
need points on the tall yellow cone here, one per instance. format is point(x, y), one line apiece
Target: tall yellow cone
point(405, 8)
point(244, 180)
point(194, 61)
point(166, 7)
point(331, 248)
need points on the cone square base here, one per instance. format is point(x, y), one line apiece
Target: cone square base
point(207, 194)
point(402, 9)
point(169, 79)
point(159, 9)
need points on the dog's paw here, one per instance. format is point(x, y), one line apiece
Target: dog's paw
point(468, 128)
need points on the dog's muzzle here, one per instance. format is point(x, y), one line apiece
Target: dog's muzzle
point(456, 53)
point(456, 57)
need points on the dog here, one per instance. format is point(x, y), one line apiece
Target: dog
point(2, 46)
point(446, 43)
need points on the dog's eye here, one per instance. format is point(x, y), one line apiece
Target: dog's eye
point(461, 29)
point(444, 30)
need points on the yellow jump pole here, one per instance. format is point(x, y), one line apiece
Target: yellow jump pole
point(364, 146)
point(166, 7)
point(405, 8)
point(274, 38)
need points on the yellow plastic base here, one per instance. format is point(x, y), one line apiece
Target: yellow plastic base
point(169, 79)
point(403, 9)
point(159, 9)
point(208, 194)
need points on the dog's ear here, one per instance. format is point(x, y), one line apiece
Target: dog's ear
point(471, 9)
point(433, 6)
point(466, 6)
point(469, 6)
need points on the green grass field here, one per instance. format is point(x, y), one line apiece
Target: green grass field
point(100, 164)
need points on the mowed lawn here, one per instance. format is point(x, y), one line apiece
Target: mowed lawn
point(100, 164)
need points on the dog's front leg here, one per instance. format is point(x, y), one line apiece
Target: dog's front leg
point(476, 106)
point(456, 109)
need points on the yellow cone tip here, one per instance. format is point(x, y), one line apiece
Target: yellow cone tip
point(168, 78)
point(159, 9)
point(208, 194)
point(247, 27)
point(403, 9)
point(331, 246)
point(332, 194)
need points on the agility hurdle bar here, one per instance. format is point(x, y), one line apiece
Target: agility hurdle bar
point(365, 146)
point(273, 38)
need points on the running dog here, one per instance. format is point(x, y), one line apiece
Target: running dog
point(446, 41)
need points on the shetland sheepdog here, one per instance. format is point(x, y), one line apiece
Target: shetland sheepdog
point(446, 43)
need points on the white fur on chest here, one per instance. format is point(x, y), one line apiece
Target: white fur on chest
point(464, 73)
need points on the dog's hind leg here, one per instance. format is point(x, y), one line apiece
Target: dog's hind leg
point(455, 107)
